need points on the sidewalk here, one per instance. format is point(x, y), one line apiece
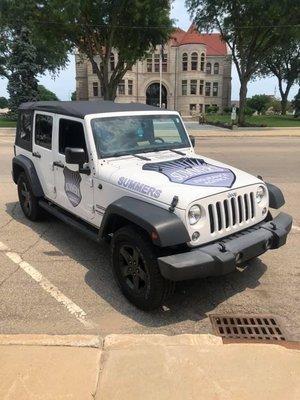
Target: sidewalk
point(134, 367)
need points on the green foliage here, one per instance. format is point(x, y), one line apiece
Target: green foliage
point(227, 110)
point(249, 111)
point(73, 96)
point(98, 27)
point(212, 110)
point(251, 28)
point(45, 94)
point(22, 84)
point(3, 102)
point(259, 103)
point(51, 54)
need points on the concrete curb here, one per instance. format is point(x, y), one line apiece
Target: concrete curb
point(52, 340)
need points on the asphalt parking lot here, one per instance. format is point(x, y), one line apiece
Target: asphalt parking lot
point(65, 284)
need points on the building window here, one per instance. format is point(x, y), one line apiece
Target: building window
point(194, 61)
point(201, 108)
point(192, 109)
point(207, 106)
point(130, 87)
point(94, 68)
point(207, 88)
point(121, 87)
point(215, 89)
point(156, 62)
point(184, 87)
point(95, 89)
point(201, 87)
point(184, 62)
point(43, 130)
point(208, 68)
point(202, 62)
point(112, 61)
point(149, 63)
point(165, 63)
point(216, 68)
point(193, 86)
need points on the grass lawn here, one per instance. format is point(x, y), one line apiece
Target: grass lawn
point(268, 120)
point(4, 123)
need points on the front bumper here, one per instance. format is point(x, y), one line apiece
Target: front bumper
point(223, 256)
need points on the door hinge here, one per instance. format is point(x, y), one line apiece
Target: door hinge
point(91, 183)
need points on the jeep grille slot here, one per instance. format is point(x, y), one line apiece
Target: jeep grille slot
point(227, 213)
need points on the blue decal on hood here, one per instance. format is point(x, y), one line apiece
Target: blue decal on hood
point(193, 171)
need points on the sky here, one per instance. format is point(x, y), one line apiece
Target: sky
point(64, 83)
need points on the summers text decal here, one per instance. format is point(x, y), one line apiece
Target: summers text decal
point(72, 186)
point(139, 187)
point(193, 171)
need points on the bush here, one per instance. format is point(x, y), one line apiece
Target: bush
point(3, 102)
point(259, 102)
point(227, 110)
point(212, 110)
point(249, 111)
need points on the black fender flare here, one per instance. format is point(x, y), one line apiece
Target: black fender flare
point(22, 162)
point(276, 198)
point(164, 227)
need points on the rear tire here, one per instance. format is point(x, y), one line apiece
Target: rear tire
point(28, 201)
point(135, 267)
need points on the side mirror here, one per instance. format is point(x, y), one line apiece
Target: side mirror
point(75, 156)
point(193, 140)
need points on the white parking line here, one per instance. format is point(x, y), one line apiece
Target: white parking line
point(296, 228)
point(51, 289)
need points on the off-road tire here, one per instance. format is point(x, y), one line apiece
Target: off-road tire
point(156, 289)
point(28, 201)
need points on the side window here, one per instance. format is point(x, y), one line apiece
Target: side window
point(71, 134)
point(24, 130)
point(43, 130)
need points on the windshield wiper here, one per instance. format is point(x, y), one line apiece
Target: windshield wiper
point(178, 152)
point(141, 157)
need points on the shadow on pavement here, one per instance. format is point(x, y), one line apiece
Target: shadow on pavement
point(191, 301)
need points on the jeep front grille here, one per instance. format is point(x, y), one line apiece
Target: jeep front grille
point(231, 212)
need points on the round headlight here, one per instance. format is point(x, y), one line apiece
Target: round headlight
point(260, 193)
point(194, 214)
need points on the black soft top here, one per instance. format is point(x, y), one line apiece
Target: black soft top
point(80, 109)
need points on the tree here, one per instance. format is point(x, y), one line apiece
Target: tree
point(47, 54)
point(101, 30)
point(259, 102)
point(284, 63)
point(45, 94)
point(73, 96)
point(296, 104)
point(22, 83)
point(3, 102)
point(249, 27)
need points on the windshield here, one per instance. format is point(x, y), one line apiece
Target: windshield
point(138, 134)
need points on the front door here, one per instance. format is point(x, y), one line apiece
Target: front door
point(42, 154)
point(74, 189)
point(152, 95)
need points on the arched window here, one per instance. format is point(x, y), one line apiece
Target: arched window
point(112, 61)
point(208, 68)
point(216, 68)
point(194, 61)
point(184, 62)
point(202, 62)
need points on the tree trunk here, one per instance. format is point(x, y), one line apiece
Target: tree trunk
point(242, 101)
point(283, 104)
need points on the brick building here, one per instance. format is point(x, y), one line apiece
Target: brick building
point(196, 74)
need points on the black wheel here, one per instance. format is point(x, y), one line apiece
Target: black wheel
point(135, 268)
point(28, 202)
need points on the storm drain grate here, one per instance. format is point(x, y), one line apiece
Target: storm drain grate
point(254, 327)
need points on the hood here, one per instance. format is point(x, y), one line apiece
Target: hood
point(167, 174)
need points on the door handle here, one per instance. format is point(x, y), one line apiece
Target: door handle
point(58, 164)
point(36, 154)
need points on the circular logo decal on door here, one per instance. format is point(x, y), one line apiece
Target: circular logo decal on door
point(72, 186)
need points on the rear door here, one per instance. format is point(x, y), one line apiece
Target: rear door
point(42, 156)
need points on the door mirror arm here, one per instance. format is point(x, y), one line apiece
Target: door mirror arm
point(84, 170)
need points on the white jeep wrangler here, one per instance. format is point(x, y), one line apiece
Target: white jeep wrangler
point(129, 172)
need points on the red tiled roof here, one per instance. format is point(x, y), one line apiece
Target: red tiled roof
point(215, 46)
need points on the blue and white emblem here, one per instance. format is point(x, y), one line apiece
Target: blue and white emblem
point(72, 186)
point(193, 171)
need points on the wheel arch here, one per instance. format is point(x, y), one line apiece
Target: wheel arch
point(21, 164)
point(164, 227)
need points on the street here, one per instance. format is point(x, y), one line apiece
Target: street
point(75, 272)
